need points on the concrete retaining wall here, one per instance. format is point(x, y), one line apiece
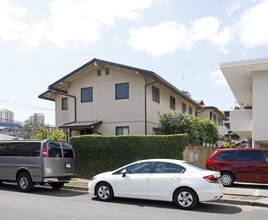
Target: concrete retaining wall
point(198, 155)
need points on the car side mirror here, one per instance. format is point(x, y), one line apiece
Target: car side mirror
point(124, 172)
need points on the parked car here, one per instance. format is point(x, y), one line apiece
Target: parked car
point(240, 165)
point(28, 162)
point(159, 179)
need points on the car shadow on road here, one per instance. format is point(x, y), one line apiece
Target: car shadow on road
point(43, 190)
point(202, 207)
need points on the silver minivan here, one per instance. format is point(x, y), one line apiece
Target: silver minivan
point(36, 161)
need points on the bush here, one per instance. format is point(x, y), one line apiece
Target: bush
point(95, 154)
point(200, 131)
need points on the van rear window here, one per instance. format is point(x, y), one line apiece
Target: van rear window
point(20, 149)
point(54, 149)
point(67, 150)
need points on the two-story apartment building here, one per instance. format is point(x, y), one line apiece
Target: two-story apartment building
point(248, 81)
point(110, 98)
point(214, 115)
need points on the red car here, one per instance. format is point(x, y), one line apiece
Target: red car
point(240, 165)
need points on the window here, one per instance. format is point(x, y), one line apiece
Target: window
point(122, 130)
point(227, 114)
point(214, 119)
point(20, 149)
point(249, 155)
point(156, 131)
point(64, 104)
point(87, 94)
point(190, 110)
point(172, 102)
point(226, 155)
point(143, 167)
point(227, 125)
point(54, 150)
point(163, 167)
point(156, 94)
point(107, 71)
point(183, 107)
point(122, 91)
point(98, 72)
point(67, 150)
point(265, 156)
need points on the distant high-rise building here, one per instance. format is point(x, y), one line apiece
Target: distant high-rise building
point(37, 118)
point(6, 115)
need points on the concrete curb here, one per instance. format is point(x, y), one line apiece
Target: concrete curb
point(241, 202)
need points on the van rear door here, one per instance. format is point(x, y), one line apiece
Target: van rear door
point(58, 161)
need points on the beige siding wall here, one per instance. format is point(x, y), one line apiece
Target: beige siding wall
point(124, 112)
point(204, 114)
point(115, 113)
point(64, 116)
point(153, 108)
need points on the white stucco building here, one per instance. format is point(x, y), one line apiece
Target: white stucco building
point(248, 81)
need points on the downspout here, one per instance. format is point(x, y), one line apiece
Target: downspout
point(145, 107)
point(72, 96)
point(75, 109)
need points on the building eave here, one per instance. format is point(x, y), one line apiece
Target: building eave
point(62, 83)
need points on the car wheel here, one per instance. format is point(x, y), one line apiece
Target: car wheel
point(25, 183)
point(185, 198)
point(104, 192)
point(56, 185)
point(227, 179)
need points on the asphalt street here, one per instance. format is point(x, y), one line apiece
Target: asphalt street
point(44, 203)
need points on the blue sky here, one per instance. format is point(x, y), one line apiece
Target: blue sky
point(184, 41)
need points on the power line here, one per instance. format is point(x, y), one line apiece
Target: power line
point(29, 106)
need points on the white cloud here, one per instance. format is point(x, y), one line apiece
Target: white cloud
point(217, 78)
point(208, 29)
point(161, 39)
point(233, 7)
point(252, 27)
point(10, 24)
point(69, 21)
point(168, 37)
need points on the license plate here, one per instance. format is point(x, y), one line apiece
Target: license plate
point(68, 165)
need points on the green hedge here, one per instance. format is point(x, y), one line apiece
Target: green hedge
point(95, 154)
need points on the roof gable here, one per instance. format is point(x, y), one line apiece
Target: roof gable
point(61, 85)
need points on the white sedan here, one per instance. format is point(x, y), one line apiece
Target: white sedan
point(159, 179)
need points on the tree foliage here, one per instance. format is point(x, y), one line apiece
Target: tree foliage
point(200, 131)
point(40, 131)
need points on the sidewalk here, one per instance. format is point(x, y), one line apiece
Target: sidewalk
point(240, 194)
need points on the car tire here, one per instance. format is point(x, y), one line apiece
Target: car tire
point(227, 179)
point(104, 192)
point(25, 183)
point(56, 185)
point(186, 198)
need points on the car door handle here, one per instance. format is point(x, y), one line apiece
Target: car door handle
point(175, 178)
point(143, 179)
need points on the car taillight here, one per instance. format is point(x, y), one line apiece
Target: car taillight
point(44, 152)
point(211, 179)
point(208, 162)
